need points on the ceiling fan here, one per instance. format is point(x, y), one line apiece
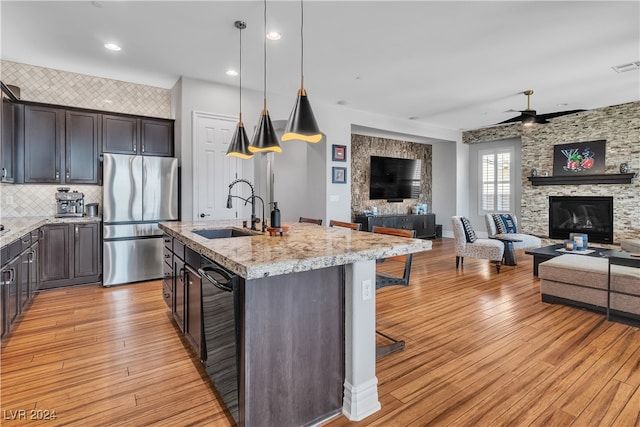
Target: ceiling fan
point(529, 116)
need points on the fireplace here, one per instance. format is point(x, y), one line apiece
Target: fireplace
point(590, 215)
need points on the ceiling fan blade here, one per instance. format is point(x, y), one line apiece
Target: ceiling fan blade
point(511, 120)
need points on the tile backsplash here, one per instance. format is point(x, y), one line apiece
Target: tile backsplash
point(18, 200)
point(59, 87)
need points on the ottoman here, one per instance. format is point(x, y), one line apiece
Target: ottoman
point(582, 281)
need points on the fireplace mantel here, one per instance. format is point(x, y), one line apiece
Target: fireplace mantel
point(610, 178)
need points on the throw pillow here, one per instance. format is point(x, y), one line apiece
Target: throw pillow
point(505, 223)
point(468, 230)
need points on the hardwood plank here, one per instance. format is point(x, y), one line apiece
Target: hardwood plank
point(481, 349)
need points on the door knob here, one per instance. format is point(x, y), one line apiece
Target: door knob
point(202, 215)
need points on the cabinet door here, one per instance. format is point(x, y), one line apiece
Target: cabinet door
point(55, 253)
point(193, 327)
point(156, 137)
point(120, 134)
point(180, 297)
point(11, 277)
point(43, 133)
point(34, 276)
point(4, 321)
point(86, 249)
point(7, 124)
point(81, 148)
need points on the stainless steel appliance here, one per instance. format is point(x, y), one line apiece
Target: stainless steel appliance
point(221, 331)
point(138, 192)
point(69, 204)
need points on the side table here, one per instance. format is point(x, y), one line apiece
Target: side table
point(619, 258)
point(509, 253)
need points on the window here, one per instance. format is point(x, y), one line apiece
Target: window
point(496, 193)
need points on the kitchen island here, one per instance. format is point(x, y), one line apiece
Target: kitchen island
point(307, 329)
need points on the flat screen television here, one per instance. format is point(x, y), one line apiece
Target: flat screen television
point(394, 179)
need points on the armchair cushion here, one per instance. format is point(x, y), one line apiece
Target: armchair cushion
point(528, 241)
point(505, 223)
point(468, 230)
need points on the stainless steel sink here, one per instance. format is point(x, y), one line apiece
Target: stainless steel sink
point(222, 233)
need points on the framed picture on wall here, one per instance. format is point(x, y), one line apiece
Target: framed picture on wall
point(579, 158)
point(339, 153)
point(339, 175)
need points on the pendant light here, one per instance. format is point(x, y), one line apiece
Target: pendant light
point(265, 138)
point(239, 146)
point(302, 123)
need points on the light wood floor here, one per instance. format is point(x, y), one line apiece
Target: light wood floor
point(482, 350)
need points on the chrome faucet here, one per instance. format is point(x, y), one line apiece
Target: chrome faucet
point(251, 199)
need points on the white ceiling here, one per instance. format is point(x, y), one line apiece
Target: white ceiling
point(459, 65)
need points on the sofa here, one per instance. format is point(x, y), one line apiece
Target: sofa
point(582, 281)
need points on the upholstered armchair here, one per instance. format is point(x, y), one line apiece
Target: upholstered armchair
point(508, 227)
point(467, 244)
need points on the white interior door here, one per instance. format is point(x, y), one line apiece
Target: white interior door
point(213, 170)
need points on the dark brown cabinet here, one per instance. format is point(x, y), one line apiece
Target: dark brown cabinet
point(82, 151)
point(193, 328)
point(60, 146)
point(120, 134)
point(7, 132)
point(18, 279)
point(44, 143)
point(70, 254)
point(9, 274)
point(133, 135)
point(425, 225)
point(180, 292)
point(156, 137)
point(43, 134)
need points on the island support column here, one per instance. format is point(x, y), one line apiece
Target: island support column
point(360, 384)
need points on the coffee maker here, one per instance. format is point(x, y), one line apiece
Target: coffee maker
point(69, 204)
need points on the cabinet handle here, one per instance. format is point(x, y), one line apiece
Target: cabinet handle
point(57, 175)
point(167, 256)
point(134, 148)
point(67, 174)
point(4, 173)
point(142, 148)
point(76, 231)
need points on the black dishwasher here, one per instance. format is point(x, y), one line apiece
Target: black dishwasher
point(221, 321)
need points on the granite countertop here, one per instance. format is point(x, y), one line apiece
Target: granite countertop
point(16, 227)
point(304, 247)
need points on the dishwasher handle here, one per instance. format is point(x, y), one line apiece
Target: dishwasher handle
point(222, 286)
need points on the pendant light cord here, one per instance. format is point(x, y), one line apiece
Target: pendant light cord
point(264, 65)
point(301, 44)
point(240, 75)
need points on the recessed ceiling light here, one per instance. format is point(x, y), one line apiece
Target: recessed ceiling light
point(562, 104)
point(112, 46)
point(232, 73)
point(274, 35)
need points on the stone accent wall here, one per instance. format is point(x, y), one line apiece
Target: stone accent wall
point(619, 125)
point(362, 148)
point(50, 86)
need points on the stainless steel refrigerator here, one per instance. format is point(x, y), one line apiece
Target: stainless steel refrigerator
point(138, 192)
